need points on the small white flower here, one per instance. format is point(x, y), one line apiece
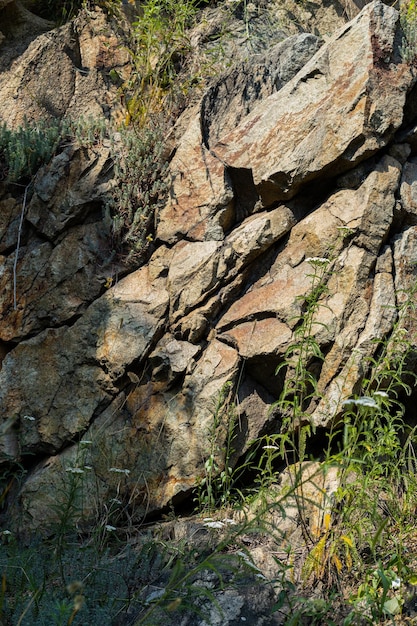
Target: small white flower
point(381, 394)
point(214, 524)
point(117, 470)
point(29, 418)
point(365, 401)
point(110, 528)
point(396, 583)
point(75, 470)
point(317, 260)
point(268, 447)
point(6, 532)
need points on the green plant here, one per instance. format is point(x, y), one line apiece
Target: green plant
point(408, 18)
point(298, 369)
point(24, 150)
point(86, 132)
point(215, 488)
point(140, 188)
point(64, 11)
point(159, 43)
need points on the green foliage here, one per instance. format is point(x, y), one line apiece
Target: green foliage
point(24, 150)
point(140, 188)
point(215, 488)
point(159, 45)
point(300, 384)
point(140, 165)
point(376, 467)
point(86, 132)
point(408, 17)
point(64, 11)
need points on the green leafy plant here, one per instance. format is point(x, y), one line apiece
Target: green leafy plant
point(215, 488)
point(139, 190)
point(24, 150)
point(159, 44)
point(408, 18)
point(300, 383)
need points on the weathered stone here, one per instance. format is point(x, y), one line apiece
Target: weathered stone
point(255, 339)
point(64, 377)
point(409, 187)
point(257, 233)
point(197, 268)
point(344, 105)
point(201, 195)
point(192, 273)
point(84, 50)
point(201, 199)
point(171, 432)
point(18, 22)
point(127, 320)
point(174, 353)
point(237, 93)
point(405, 260)
point(51, 284)
point(10, 211)
point(171, 358)
point(68, 189)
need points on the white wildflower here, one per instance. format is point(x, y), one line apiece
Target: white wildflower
point(381, 394)
point(110, 528)
point(6, 532)
point(214, 524)
point(365, 401)
point(317, 260)
point(118, 470)
point(396, 583)
point(29, 418)
point(269, 447)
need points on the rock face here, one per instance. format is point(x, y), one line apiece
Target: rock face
point(305, 155)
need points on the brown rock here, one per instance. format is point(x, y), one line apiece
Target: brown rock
point(84, 50)
point(344, 105)
point(63, 377)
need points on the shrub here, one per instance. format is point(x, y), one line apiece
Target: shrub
point(140, 187)
point(24, 150)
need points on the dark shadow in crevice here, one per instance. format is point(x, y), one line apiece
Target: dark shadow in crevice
point(245, 194)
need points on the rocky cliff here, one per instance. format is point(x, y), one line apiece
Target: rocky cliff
point(307, 151)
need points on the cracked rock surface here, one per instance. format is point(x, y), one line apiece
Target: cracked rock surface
point(310, 154)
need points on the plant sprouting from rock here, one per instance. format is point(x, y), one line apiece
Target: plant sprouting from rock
point(215, 487)
point(139, 190)
point(159, 44)
point(408, 18)
point(24, 150)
